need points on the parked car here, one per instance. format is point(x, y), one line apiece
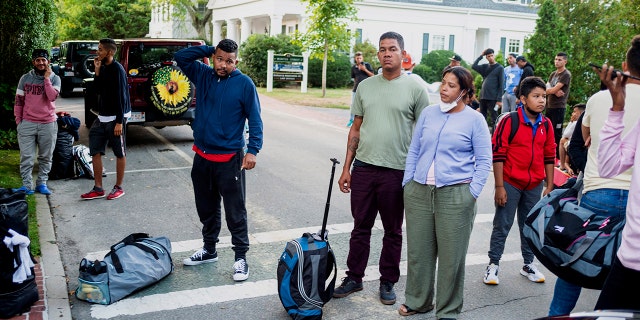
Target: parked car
point(73, 63)
point(161, 94)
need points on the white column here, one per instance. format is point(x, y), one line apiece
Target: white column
point(270, 54)
point(232, 29)
point(245, 29)
point(276, 24)
point(217, 32)
point(303, 25)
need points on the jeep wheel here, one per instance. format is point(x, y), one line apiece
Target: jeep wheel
point(171, 91)
point(87, 68)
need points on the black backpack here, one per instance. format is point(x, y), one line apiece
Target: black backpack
point(515, 122)
point(15, 298)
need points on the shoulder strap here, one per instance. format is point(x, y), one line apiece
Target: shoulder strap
point(515, 122)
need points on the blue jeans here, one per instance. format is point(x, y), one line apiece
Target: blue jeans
point(603, 202)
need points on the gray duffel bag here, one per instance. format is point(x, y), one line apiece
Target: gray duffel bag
point(134, 263)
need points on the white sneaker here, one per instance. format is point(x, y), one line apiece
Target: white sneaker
point(531, 272)
point(491, 277)
point(241, 270)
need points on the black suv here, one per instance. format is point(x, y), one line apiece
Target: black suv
point(161, 94)
point(74, 63)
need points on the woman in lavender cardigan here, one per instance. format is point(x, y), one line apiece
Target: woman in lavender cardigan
point(447, 165)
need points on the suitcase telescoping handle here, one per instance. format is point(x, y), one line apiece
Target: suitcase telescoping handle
point(326, 207)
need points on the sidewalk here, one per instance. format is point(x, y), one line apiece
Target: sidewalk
point(50, 277)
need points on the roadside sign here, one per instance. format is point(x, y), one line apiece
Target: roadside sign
point(282, 76)
point(287, 67)
point(279, 58)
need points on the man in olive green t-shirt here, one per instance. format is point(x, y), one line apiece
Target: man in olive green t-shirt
point(385, 108)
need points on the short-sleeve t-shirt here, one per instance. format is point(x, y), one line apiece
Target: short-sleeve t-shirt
point(595, 115)
point(389, 109)
point(563, 77)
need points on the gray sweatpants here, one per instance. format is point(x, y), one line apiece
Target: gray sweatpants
point(522, 201)
point(36, 137)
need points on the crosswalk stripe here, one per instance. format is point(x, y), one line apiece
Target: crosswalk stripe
point(245, 290)
point(270, 236)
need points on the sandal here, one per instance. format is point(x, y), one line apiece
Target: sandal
point(409, 312)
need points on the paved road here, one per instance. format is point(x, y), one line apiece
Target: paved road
point(286, 197)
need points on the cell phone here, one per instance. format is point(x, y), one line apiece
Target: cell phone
point(615, 71)
point(361, 62)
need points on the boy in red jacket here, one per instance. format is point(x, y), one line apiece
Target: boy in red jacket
point(519, 167)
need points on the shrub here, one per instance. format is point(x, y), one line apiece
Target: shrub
point(8, 139)
point(33, 28)
point(338, 71)
point(254, 55)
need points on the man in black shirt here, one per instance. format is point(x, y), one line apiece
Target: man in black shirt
point(492, 85)
point(114, 108)
point(359, 71)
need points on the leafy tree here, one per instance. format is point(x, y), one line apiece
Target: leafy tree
point(338, 71)
point(434, 62)
point(549, 38)
point(327, 30)
point(369, 53)
point(95, 19)
point(196, 10)
point(254, 54)
point(599, 31)
point(24, 26)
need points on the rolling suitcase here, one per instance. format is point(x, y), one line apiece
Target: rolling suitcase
point(304, 268)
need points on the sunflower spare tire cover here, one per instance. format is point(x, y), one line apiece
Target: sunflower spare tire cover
point(171, 91)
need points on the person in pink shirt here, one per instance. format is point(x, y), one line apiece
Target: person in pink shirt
point(35, 114)
point(616, 154)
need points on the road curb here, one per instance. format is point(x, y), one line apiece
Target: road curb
point(55, 281)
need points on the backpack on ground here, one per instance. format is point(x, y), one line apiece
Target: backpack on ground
point(18, 289)
point(82, 161)
point(304, 269)
point(571, 241)
point(132, 264)
point(62, 166)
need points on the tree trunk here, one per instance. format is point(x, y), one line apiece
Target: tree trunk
point(324, 68)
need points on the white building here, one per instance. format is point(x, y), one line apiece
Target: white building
point(165, 23)
point(464, 26)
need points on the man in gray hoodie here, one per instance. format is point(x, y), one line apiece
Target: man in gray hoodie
point(35, 113)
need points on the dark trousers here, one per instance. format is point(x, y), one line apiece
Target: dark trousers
point(376, 189)
point(615, 293)
point(489, 105)
point(556, 115)
point(215, 181)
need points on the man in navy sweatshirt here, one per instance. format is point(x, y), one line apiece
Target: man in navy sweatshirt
point(225, 100)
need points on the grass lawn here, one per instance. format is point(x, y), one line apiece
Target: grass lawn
point(10, 178)
point(334, 98)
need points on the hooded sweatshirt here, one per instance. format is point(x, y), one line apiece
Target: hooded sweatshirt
point(223, 105)
point(35, 98)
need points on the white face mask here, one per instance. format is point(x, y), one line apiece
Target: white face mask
point(446, 107)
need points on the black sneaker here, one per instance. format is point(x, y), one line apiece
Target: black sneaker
point(387, 295)
point(199, 257)
point(347, 287)
point(240, 270)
